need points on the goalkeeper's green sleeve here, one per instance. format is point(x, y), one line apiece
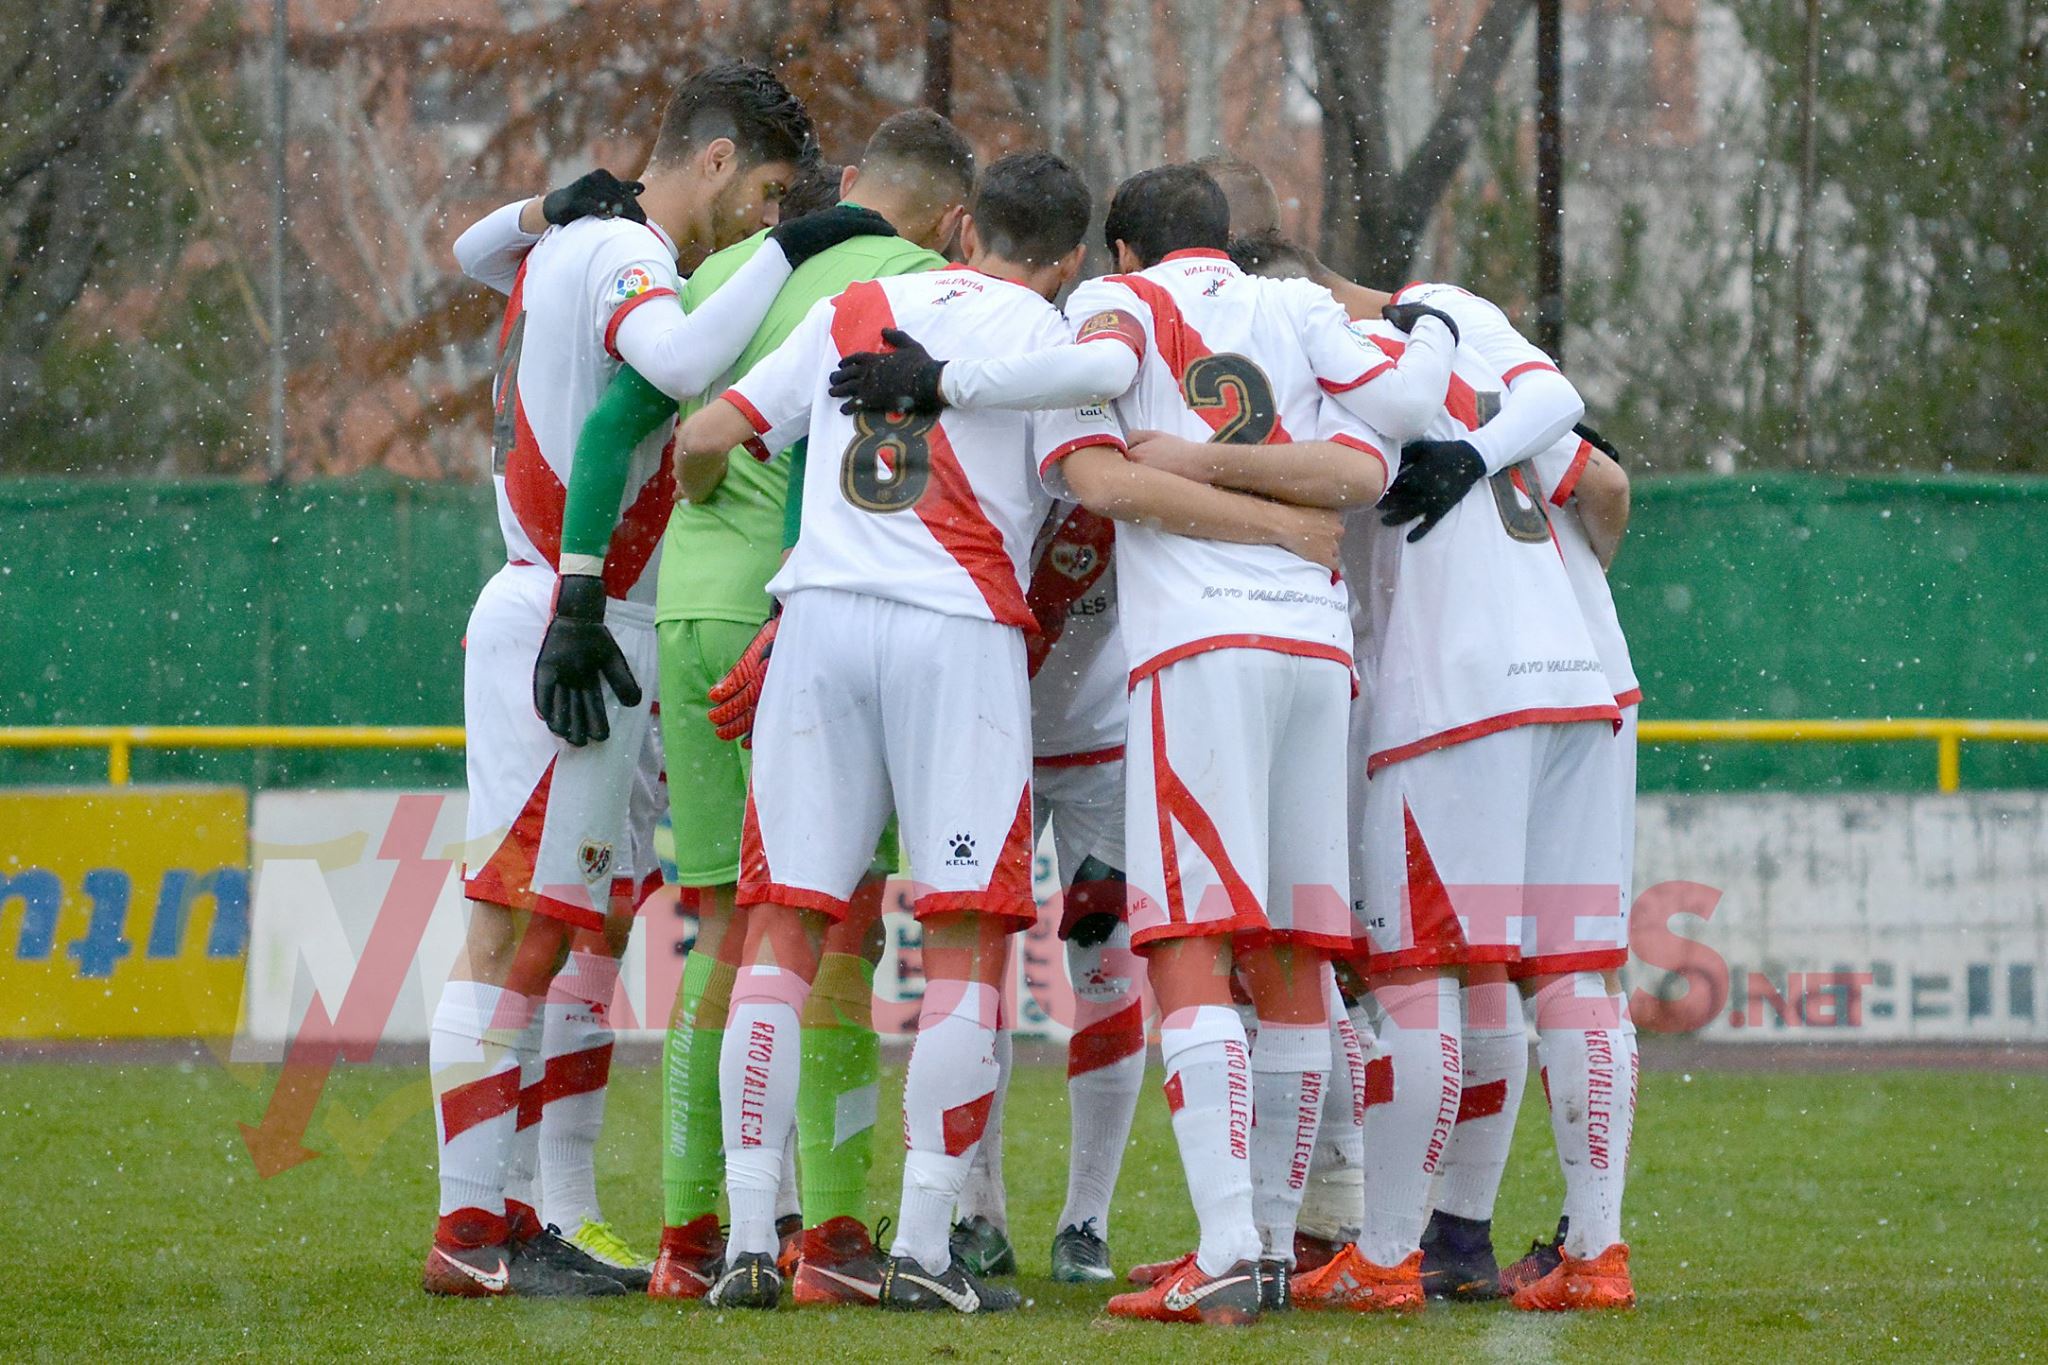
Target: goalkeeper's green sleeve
point(793, 509)
point(630, 410)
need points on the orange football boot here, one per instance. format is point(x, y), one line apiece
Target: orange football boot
point(789, 1243)
point(1597, 1282)
point(1350, 1283)
point(837, 1264)
point(1187, 1295)
point(1154, 1271)
point(689, 1261)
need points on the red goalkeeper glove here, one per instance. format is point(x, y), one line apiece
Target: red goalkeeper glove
point(735, 695)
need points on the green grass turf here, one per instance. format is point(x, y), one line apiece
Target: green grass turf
point(1773, 1217)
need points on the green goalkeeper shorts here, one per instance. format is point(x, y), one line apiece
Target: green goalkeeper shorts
point(707, 776)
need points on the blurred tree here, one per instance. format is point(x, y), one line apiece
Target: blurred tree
point(1374, 211)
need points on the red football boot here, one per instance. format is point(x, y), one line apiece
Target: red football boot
point(689, 1261)
point(1154, 1271)
point(839, 1265)
point(1187, 1295)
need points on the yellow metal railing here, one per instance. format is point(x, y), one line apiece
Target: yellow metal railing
point(121, 741)
point(1948, 735)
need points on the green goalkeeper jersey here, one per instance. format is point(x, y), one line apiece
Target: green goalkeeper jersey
point(720, 554)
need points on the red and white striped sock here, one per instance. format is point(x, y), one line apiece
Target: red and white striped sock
point(576, 1056)
point(1105, 1071)
point(473, 1057)
point(1412, 1089)
point(948, 1091)
point(1590, 1079)
point(1496, 1059)
point(1209, 1094)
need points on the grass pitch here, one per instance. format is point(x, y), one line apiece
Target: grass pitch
point(1773, 1216)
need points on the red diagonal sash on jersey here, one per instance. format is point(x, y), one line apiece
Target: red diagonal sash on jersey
point(1460, 401)
point(1074, 561)
point(1180, 346)
point(538, 498)
point(949, 509)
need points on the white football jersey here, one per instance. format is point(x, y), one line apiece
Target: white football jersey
point(1229, 357)
point(1557, 470)
point(1475, 627)
point(1078, 670)
point(555, 359)
point(937, 512)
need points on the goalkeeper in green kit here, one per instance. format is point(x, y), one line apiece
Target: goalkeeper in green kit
point(725, 542)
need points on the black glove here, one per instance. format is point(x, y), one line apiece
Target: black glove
point(1598, 442)
point(1406, 315)
point(803, 238)
point(575, 654)
point(1434, 476)
point(598, 194)
point(905, 379)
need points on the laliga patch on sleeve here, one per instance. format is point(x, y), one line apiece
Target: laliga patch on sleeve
point(1095, 414)
point(631, 282)
point(1117, 323)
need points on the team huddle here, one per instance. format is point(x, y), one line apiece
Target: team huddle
point(1279, 600)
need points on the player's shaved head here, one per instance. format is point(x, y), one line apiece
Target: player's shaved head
point(1031, 208)
point(735, 100)
point(920, 158)
point(1254, 207)
point(816, 187)
point(1167, 209)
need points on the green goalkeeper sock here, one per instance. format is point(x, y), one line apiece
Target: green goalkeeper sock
point(693, 1152)
point(835, 1105)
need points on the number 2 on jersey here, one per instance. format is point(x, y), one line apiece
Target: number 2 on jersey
point(1522, 518)
point(504, 397)
point(905, 440)
point(1236, 384)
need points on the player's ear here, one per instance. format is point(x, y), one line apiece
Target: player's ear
point(720, 160)
point(970, 237)
point(1126, 259)
point(848, 178)
point(949, 226)
point(1070, 264)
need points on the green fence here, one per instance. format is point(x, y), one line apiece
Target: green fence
point(344, 603)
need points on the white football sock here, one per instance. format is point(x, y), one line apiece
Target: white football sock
point(576, 1058)
point(1585, 1058)
point(983, 1193)
point(1105, 1071)
point(1412, 1090)
point(1208, 1092)
point(1333, 1204)
point(474, 1060)
point(948, 1091)
point(1290, 1074)
point(1496, 1058)
point(759, 1063)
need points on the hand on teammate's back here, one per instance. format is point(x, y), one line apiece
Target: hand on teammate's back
point(1434, 476)
point(1406, 315)
point(595, 194)
point(803, 238)
point(903, 379)
point(1314, 533)
point(735, 696)
point(1598, 442)
point(577, 657)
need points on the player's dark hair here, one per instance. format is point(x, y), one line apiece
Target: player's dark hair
point(922, 149)
point(1168, 209)
point(1031, 208)
point(1274, 256)
point(737, 100)
point(1254, 207)
point(816, 187)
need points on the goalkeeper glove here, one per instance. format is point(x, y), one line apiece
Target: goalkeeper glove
point(904, 379)
point(1406, 315)
point(598, 194)
point(803, 238)
point(577, 655)
point(1435, 476)
point(735, 696)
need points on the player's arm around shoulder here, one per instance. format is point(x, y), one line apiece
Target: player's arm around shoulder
point(767, 409)
point(1397, 396)
point(1538, 404)
point(1602, 498)
point(491, 249)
